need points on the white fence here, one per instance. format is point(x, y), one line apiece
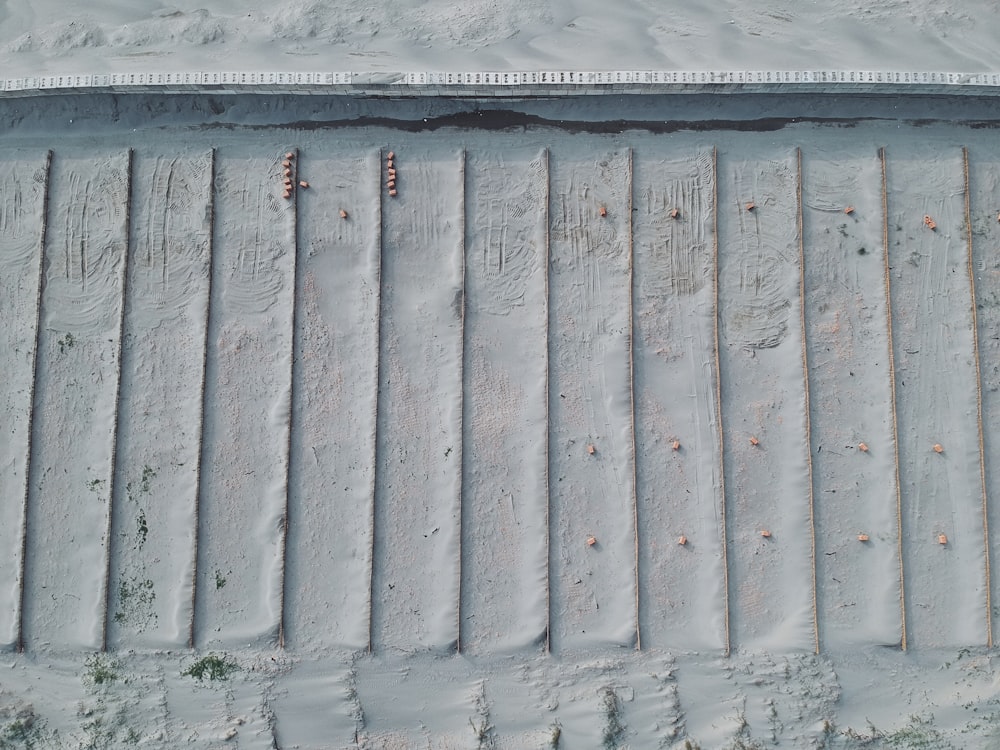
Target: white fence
point(512, 83)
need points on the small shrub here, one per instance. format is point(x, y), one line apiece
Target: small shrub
point(213, 667)
point(101, 670)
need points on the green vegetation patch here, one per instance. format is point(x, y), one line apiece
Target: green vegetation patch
point(212, 667)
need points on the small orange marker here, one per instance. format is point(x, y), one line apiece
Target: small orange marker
point(591, 541)
point(286, 195)
point(290, 155)
point(390, 184)
point(862, 537)
point(286, 164)
point(676, 445)
point(938, 448)
point(675, 213)
point(603, 211)
point(390, 155)
point(304, 185)
point(863, 447)
point(392, 193)
point(343, 214)
point(287, 172)
point(849, 210)
point(754, 441)
point(931, 224)
point(591, 449)
point(765, 533)
point(942, 539)
point(389, 163)
point(751, 206)
point(683, 540)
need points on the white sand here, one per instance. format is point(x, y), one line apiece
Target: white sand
point(420, 381)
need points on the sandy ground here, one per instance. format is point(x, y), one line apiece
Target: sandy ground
point(310, 435)
point(358, 459)
point(109, 36)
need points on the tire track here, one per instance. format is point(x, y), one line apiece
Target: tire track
point(155, 482)
point(32, 401)
point(678, 488)
point(332, 456)
point(590, 406)
point(415, 578)
point(937, 379)
point(504, 477)
point(768, 478)
point(76, 403)
point(243, 501)
point(846, 334)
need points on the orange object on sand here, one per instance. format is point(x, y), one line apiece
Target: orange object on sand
point(931, 224)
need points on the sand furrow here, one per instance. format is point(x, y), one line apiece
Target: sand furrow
point(936, 382)
point(23, 187)
point(415, 586)
point(504, 483)
point(327, 600)
point(70, 472)
point(591, 430)
point(852, 432)
point(156, 479)
point(245, 432)
point(682, 586)
point(984, 186)
point(763, 391)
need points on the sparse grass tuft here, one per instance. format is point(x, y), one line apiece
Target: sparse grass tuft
point(101, 670)
point(66, 342)
point(213, 667)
